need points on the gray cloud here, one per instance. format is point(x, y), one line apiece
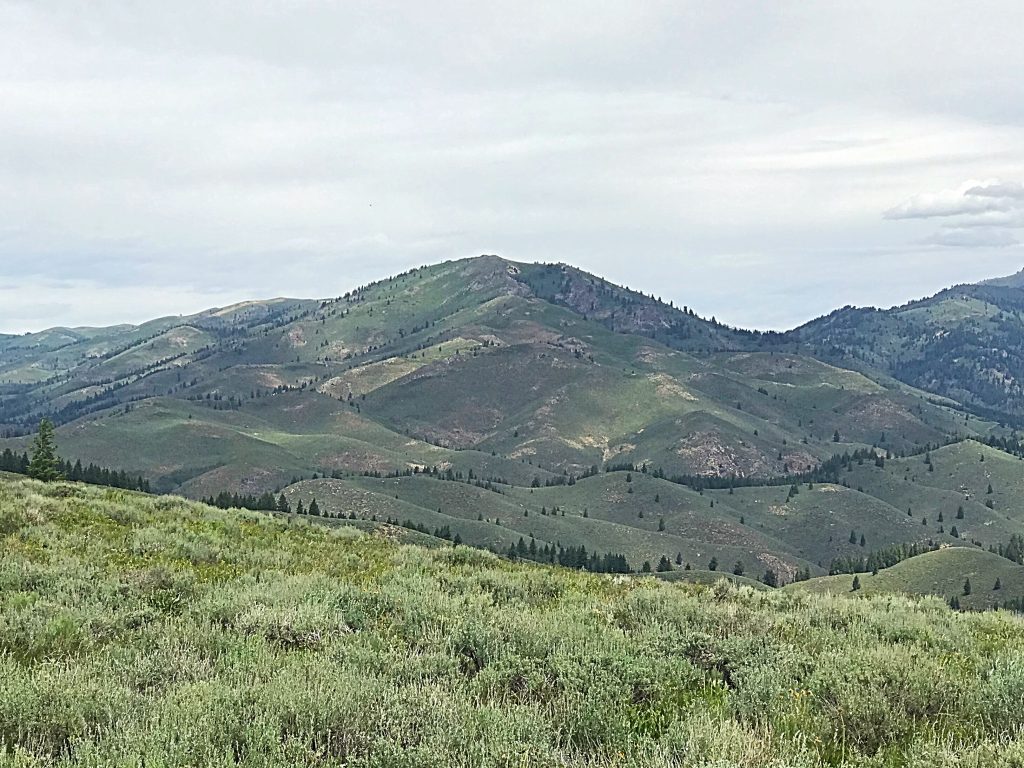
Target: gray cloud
point(976, 215)
point(156, 156)
point(1009, 189)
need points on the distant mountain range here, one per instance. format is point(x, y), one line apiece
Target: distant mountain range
point(530, 382)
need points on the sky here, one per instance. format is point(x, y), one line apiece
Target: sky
point(760, 162)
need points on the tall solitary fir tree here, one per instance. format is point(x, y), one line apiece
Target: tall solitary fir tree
point(45, 464)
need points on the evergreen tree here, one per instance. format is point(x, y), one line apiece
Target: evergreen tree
point(282, 504)
point(713, 565)
point(646, 567)
point(738, 568)
point(998, 584)
point(44, 465)
point(661, 523)
point(770, 578)
point(967, 587)
point(853, 537)
point(856, 584)
point(664, 565)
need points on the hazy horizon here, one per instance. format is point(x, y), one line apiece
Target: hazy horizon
point(641, 288)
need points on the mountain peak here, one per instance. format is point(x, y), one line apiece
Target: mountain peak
point(1016, 280)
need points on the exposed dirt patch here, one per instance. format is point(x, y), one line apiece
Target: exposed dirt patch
point(705, 453)
point(297, 337)
point(670, 389)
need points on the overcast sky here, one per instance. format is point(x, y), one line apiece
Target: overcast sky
point(762, 162)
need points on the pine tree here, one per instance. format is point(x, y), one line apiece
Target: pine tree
point(967, 587)
point(44, 465)
point(713, 565)
point(856, 584)
point(998, 584)
point(853, 537)
point(738, 568)
point(664, 565)
point(646, 567)
point(863, 541)
point(282, 504)
point(661, 523)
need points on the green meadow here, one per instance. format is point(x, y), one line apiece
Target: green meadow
point(142, 630)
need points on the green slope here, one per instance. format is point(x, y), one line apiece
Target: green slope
point(475, 355)
point(942, 573)
point(154, 631)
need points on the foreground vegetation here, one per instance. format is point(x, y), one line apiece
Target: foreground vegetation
point(151, 630)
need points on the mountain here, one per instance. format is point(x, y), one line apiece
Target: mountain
point(965, 343)
point(507, 369)
point(500, 401)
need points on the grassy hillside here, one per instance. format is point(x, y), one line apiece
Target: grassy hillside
point(764, 527)
point(481, 356)
point(151, 630)
point(942, 573)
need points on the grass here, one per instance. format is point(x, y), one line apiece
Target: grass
point(942, 573)
point(151, 630)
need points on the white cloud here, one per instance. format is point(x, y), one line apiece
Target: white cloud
point(192, 149)
point(975, 215)
point(952, 202)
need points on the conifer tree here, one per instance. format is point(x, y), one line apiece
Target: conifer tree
point(856, 584)
point(44, 464)
point(967, 587)
point(713, 565)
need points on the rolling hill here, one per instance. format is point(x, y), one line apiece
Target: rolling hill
point(536, 365)
point(142, 630)
point(505, 402)
point(994, 581)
